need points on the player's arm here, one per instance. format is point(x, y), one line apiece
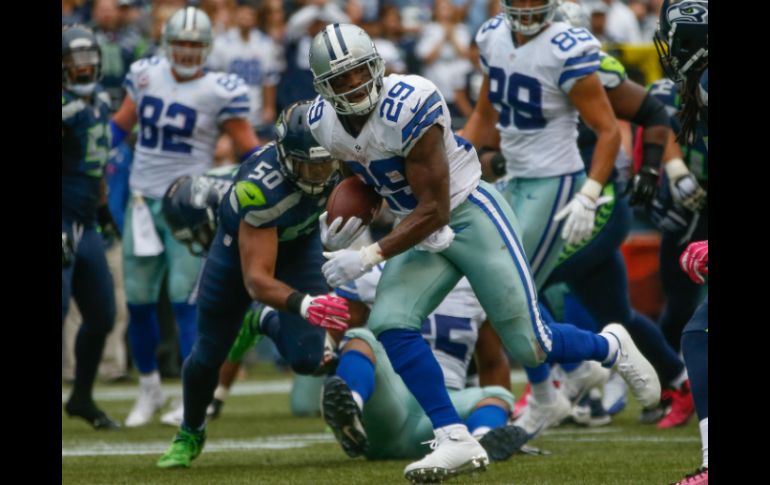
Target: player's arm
point(244, 139)
point(480, 127)
point(124, 120)
point(491, 362)
point(427, 171)
point(632, 102)
point(589, 98)
point(259, 251)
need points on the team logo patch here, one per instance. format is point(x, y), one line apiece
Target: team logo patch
point(249, 195)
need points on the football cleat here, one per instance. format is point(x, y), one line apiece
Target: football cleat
point(634, 368)
point(501, 443)
point(682, 407)
point(455, 452)
point(186, 447)
point(699, 477)
point(175, 416)
point(343, 416)
point(538, 417)
point(92, 414)
point(150, 401)
point(614, 397)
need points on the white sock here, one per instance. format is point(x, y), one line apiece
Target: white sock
point(150, 380)
point(481, 431)
point(679, 380)
point(221, 393)
point(544, 392)
point(614, 344)
point(704, 438)
point(446, 430)
point(358, 399)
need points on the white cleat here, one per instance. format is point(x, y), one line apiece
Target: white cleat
point(175, 416)
point(150, 401)
point(589, 375)
point(634, 368)
point(455, 452)
point(539, 416)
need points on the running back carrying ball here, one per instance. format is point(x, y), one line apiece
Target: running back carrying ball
point(356, 204)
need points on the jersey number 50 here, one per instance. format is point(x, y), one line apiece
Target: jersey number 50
point(150, 110)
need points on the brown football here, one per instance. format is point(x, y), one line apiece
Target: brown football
point(353, 198)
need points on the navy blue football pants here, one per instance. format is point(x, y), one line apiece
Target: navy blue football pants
point(222, 301)
point(89, 282)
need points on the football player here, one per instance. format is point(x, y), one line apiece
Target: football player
point(372, 412)
point(539, 75)
point(267, 249)
point(682, 44)
point(395, 133)
point(180, 110)
point(85, 275)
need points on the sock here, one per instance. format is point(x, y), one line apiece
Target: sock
point(144, 335)
point(221, 393)
point(544, 392)
point(696, 357)
point(185, 315)
point(357, 371)
point(613, 346)
point(198, 384)
point(414, 362)
point(679, 380)
point(88, 353)
point(484, 418)
point(150, 380)
point(571, 344)
point(536, 375)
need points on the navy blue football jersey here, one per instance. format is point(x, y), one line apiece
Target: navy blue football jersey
point(85, 149)
point(263, 197)
point(695, 154)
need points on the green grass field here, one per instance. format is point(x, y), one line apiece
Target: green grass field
point(257, 441)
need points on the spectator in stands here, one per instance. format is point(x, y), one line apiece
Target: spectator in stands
point(443, 48)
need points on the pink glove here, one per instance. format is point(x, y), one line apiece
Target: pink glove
point(694, 261)
point(326, 311)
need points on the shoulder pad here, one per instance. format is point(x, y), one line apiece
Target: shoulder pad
point(611, 71)
point(411, 104)
point(229, 85)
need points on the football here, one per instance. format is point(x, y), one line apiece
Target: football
point(353, 198)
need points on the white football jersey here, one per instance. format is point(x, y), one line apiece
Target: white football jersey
point(451, 330)
point(253, 60)
point(529, 86)
point(408, 105)
point(178, 122)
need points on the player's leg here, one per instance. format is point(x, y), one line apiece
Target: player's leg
point(222, 301)
point(183, 272)
point(92, 290)
point(142, 277)
point(346, 393)
point(695, 350)
point(388, 407)
point(248, 336)
point(512, 305)
point(412, 285)
point(114, 362)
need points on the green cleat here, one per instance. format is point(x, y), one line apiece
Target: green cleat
point(186, 447)
point(249, 334)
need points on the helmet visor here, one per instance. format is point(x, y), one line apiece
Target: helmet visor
point(81, 66)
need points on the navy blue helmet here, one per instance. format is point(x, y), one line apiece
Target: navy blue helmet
point(190, 208)
point(682, 38)
point(304, 162)
point(81, 60)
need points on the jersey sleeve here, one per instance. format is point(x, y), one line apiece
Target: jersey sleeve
point(576, 55)
point(71, 108)
point(252, 197)
point(484, 40)
point(320, 119)
point(611, 71)
point(233, 94)
point(412, 106)
point(137, 72)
